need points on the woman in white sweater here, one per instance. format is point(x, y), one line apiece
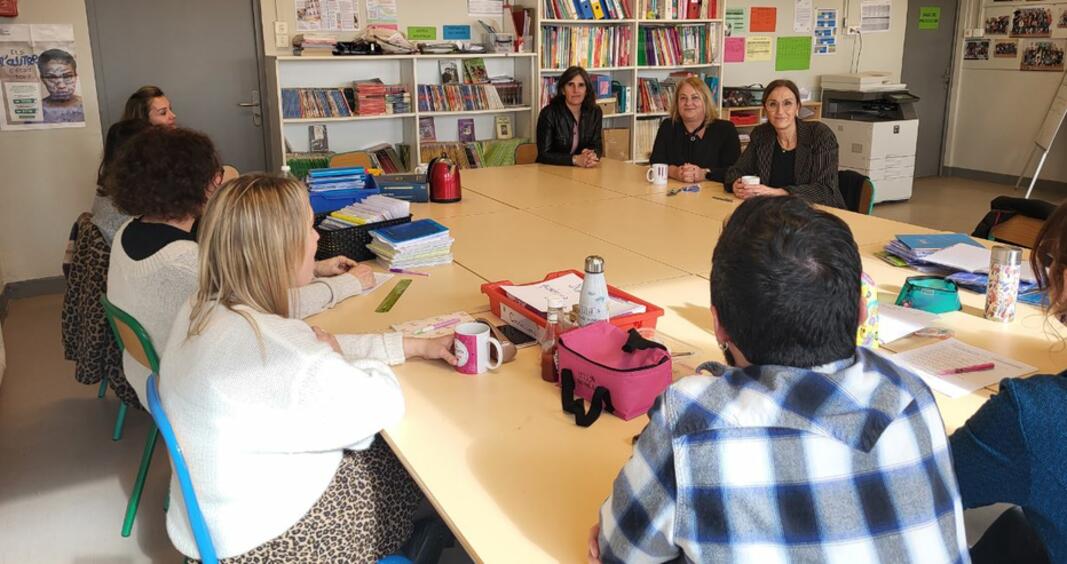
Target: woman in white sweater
point(163, 180)
point(277, 419)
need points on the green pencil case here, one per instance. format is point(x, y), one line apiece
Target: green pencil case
point(930, 293)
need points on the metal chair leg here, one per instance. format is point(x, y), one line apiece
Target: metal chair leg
point(138, 485)
point(120, 420)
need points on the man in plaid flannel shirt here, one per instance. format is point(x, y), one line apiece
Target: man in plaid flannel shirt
point(807, 449)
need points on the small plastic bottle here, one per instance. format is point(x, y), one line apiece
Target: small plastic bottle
point(593, 300)
point(549, 341)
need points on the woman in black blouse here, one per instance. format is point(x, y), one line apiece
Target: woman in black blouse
point(569, 127)
point(789, 155)
point(695, 144)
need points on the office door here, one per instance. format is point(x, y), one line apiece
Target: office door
point(204, 54)
point(927, 70)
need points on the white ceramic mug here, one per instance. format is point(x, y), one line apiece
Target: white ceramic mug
point(471, 347)
point(657, 174)
point(750, 180)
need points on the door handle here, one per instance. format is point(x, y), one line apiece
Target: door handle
point(248, 104)
point(257, 114)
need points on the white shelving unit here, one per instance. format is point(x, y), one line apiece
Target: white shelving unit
point(629, 75)
point(359, 132)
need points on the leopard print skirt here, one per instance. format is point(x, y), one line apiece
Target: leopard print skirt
point(365, 514)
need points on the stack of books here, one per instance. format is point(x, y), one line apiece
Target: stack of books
point(654, 96)
point(412, 245)
point(675, 45)
point(313, 44)
point(679, 9)
point(373, 98)
point(371, 210)
point(340, 178)
point(314, 103)
point(461, 97)
point(586, 9)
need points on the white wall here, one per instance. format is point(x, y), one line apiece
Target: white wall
point(998, 112)
point(881, 51)
point(48, 176)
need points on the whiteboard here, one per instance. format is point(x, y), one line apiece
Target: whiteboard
point(1054, 118)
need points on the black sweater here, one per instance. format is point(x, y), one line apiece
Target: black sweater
point(555, 132)
point(717, 150)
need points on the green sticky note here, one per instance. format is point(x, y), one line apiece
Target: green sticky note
point(422, 32)
point(794, 53)
point(929, 17)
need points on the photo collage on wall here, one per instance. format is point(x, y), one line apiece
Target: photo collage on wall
point(1020, 35)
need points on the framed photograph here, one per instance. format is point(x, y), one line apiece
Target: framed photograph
point(1062, 22)
point(1006, 49)
point(976, 50)
point(998, 25)
point(1031, 22)
point(1042, 56)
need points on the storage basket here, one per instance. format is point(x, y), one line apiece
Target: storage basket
point(350, 241)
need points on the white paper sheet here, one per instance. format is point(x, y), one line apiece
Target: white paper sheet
point(895, 322)
point(802, 16)
point(969, 258)
point(568, 288)
point(875, 16)
point(928, 361)
point(326, 15)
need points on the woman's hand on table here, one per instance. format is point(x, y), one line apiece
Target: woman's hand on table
point(430, 349)
point(586, 159)
point(689, 173)
point(594, 544)
point(746, 191)
point(339, 265)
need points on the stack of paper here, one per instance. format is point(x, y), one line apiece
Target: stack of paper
point(568, 288)
point(412, 245)
point(955, 368)
point(914, 249)
point(341, 178)
point(372, 209)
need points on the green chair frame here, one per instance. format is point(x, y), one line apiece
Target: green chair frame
point(128, 331)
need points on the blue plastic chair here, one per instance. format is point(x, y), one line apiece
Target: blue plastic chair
point(177, 459)
point(192, 506)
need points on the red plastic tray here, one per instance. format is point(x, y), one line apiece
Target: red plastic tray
point(497, 296)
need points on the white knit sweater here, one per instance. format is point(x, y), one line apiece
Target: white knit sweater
point(263, 423)
point(153, 289)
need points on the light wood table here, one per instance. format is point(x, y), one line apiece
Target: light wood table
point(519, 246)
point(681, 240)
point(527, 186)
point(514, 478)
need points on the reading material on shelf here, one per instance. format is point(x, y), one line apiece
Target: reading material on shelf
point(586, 9)
point(678, 9)
point(644, 137)
point(427, 129)
point(465, 130)
point(389, 159)
point(449, 72)
point(503, 127)
point(468, 97)
point(677, 45)
point(590, 46)
point(499, 152)
point(314, 103)
point(474, 71)
point(301, 163)
point(372, 97)
point(654, 95)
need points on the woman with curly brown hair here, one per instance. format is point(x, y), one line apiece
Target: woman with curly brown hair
point(163, 181)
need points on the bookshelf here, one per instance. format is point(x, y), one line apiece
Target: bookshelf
point(644, 17)
point(352, 133)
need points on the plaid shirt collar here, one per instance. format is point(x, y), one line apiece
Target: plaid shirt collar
point(852, 400)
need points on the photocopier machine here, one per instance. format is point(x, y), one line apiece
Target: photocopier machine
point(876, 128)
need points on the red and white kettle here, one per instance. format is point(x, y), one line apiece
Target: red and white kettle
point(443, 176)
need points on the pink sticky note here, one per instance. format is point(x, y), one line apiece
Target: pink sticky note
point(734, 51)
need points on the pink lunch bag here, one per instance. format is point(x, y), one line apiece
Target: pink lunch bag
point(612, 369)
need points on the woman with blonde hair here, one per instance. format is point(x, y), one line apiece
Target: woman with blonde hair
point(695, 144)
point(279, 420)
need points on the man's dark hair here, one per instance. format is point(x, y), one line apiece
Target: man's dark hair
point(785, 281)
point(163, 173)
point(589, 101)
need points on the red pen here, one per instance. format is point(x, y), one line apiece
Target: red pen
point(966, 369)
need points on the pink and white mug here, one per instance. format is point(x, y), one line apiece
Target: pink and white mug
point(471, 347)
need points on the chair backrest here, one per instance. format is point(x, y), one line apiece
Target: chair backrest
point(857, 190)
point(526, 153)
point(229, 173)
point(181, 470)
point(354, 158)
point(130, 335)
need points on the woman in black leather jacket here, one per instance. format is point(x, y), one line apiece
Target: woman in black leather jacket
point(569, 127)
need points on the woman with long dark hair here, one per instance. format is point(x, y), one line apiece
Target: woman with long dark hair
point(569, 127)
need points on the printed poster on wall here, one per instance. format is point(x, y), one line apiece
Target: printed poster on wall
point(802, 16)
point(875, 16)
point(734, 50)
point(1042, 55)
point(39, 77)
point(763, 20)
point(327, 15)
point(485, 7)
point(382, 13)
point(793, 53)
point(735, 21)
point(758, 48)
